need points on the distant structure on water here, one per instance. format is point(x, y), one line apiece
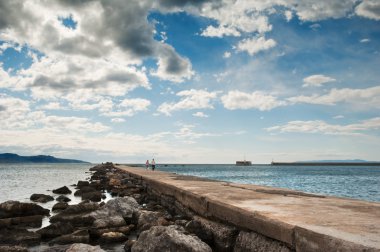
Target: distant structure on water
point(243, 163)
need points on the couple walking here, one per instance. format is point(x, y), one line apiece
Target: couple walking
point(153, 163)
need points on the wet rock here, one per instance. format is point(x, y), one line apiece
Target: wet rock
point(112, 237)
point(96, 233)
point(85, 189)
point(11, 236)
point(62, 190)
point(80, 236)
point(182, 223)
point(219, 236)
point(77, 215)
point(148, 219)
point(13, 249)
point(80, 247)
point(41, 198)
point(34, 221)
point(55, 230)
point(128, 245)
point(249, 241)
point(10, 209)
point(81, 184)
point(60, 206)
point(171, 238)
point(116, 212)
point(95, 196)
point(62, 198)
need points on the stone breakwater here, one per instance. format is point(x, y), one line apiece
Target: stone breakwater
point(157, 211)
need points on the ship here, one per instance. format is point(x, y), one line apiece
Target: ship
point(243, 163)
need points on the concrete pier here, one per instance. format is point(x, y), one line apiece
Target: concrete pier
point(303, 221)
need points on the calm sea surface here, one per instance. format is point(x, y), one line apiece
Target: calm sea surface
point(360, 182)
point(19, 181)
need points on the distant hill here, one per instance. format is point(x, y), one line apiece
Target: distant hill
point(339, 161)
point(14, 158)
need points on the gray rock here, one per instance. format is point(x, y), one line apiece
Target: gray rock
point(33, 221)
point(95, 196)
point(80, 236)
point(77, 215)
point(219, 236)
point(112, 237)
point(171, 238)
point(148, 219)
point(81, 184)
point(96, 233)
point(249, 241)
point(13, 249)
point(10, 236)
point(85, 189)
point(62, 190)
point(55, 230)
point(11, 209)
point(60, 206)
point(76, 247)
point(115, 213)
point(62, 198)
point(41, 198)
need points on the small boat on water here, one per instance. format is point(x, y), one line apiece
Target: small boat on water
point(243, 163)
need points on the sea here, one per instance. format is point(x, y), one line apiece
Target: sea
point(20, 181)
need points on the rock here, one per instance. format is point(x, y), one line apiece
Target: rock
point(60, 206)
point(148, 219)
point(13, 249)
point(80, 247)
point(33, 221)
point(219, 236)
point(10, 209)
point(81, 184)
point(55, 230)
point(182, 223)
point(62, 190)
point(171, 238)
point(249, 241)
point(128, 245)
point(85, 189)
point(62, 198)
point(112, 237)
point(11, 236)
point(80, 236)
point(96, 233)
point(76, 215)
point(95, 196)
point(41, 198)
point(115, 213)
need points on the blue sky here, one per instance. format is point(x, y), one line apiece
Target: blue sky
point(191, 81)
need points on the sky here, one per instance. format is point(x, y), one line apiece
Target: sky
point(190, 81)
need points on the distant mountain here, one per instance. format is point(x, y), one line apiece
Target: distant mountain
point(14, 158)
point(338, 161)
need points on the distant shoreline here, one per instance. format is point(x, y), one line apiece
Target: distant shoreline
point(327, 163)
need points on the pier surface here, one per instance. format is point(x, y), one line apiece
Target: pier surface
point(306, 222)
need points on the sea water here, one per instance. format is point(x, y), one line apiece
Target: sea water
point(359, 182)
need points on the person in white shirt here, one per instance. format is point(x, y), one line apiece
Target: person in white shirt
point(153, 164)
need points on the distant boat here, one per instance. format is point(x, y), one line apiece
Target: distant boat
point(243, 163)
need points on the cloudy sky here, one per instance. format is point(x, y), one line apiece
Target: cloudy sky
point(190, 81)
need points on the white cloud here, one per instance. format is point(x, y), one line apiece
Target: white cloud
point(200, 114)
point(117, 120)
point(367, 98)
point(369, 9)
point(220, 32)
point(256, 100)
point(52, 106)
point(322, 127)
point(315, 27)
point(255, 45)
point(316, 80)
point(288, 15)
point(226, 55)
point(365, 40)
point(338, 117)
point(191, 99)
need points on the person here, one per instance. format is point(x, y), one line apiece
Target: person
point(153, 164)
point(147, 164)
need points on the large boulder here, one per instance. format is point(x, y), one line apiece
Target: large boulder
point(80, 236)
point(10, 236)
point(7, 248)
point(116, 212)
point(219, 236)
point(84, 189)
point(112, 237)
point(55, 230)
point(33, 221)
point(95, 196)
point(41, 198)
point(10, 209)
point(98, 232)
point(171, 238)
point(76, 247)
point(81, 184)
point(148, 219)
point(77, 215)
point(62, 190)
point(249, 241)
point(60, 206)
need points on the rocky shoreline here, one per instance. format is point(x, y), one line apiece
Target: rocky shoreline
point(135, 219)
